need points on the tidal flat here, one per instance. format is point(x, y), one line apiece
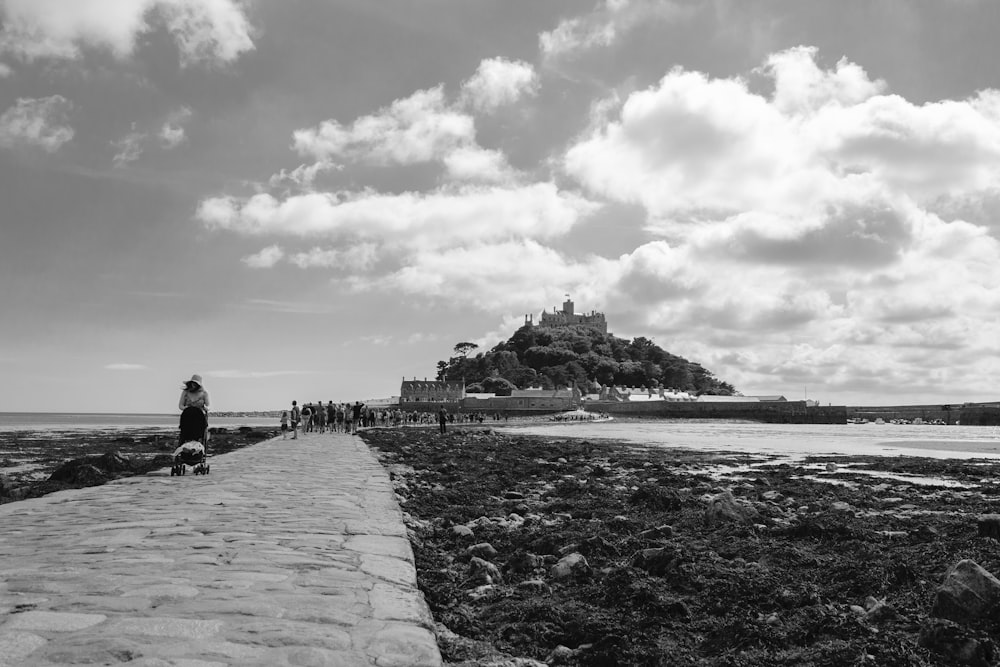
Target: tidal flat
point(558, 550)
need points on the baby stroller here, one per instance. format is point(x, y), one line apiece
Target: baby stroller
point(193, 439)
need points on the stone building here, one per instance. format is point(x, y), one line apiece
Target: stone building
point(430, 391)
point(567, 317)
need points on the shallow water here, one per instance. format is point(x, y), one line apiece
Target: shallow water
point(791, 441)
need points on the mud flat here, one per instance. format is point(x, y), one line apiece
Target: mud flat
point(539, 550)
point(35, 463)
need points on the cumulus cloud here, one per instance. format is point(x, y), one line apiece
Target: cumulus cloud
point(265, 259)
point(215, 31)
point(419, 128)
point(441, 218)
point(499, 82)
point(427, 127)
point(40, 122)
point(608, 23)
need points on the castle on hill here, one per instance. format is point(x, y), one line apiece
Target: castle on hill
point(567, 317)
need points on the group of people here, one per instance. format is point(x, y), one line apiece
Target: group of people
point(320, 418)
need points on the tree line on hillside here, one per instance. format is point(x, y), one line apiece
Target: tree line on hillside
point(560, 357)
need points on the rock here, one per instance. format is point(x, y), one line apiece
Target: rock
point(75, 472)
point(724, 507)
point(660, 532)
point(572, 565)
point(841, 506)
point(484, 571)
point(482, 550)
point(968, 593)
point(879, 610)
point(523, 562)
point(656, 561)
point(513, 495)
point(560, 655)
point(989, 526)
point(462, 531)
point(956, 644)
point(831, 467)
point(536, 586)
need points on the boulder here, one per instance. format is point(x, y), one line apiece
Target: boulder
point(523, 562)
point(75, 472)
point(968, 593)
point(536, 586)
point(724, 508)
point(660, 532)
point(484, 572)
point(956, 644)
point(571, 565)
point(482, 550)
point(656, 561)
point(462, 531)
point(989, 526)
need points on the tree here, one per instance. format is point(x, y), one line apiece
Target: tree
point(464, 348)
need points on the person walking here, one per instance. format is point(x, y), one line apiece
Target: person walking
point(356, 415)
point(193, 395)
point(442, 418)
point(296, 416)
point(284, 424)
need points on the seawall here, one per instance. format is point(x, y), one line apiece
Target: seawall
point(786, 412)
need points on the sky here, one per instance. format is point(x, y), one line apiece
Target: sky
point(312, 199)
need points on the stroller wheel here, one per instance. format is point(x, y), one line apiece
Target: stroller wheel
point(173, 471)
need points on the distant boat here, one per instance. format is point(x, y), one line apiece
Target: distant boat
point(879, 421)
point(582, 416)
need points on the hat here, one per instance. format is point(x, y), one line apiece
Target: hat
point(196, 379)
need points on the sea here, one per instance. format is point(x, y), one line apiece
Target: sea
point(790, 441)
point(83, 421)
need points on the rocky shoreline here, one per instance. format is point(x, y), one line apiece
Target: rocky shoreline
point(34, 463)
point(534, 550)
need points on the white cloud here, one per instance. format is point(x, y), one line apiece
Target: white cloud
point(442, 218)
point(419, 128)
point(495, 275)
point(304, 176)
point(204, 30)
point(499, 82)
point(266, 258)
point(129, 148)
point(478, 164)
point(172, 133)
point(126, 367)
point(607, 24)
point(38, 122)
point(5, 70)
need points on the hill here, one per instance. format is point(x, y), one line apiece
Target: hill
point(558, 357)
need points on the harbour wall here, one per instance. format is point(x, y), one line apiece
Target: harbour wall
point(777, 412)
point(969, 414)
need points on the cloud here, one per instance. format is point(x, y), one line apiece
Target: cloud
point(126, 367)
point(499, 82)
point(37, 122)
point(5, 70)
point(415, 129)
point(265, 259)
point(210, 31)
point(129, 148)
point(172, 133)
point(607, 24)
point(441, 218)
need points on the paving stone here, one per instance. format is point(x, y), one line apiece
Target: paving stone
point(16, 646)
point(287, 554)
point(52, 621)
